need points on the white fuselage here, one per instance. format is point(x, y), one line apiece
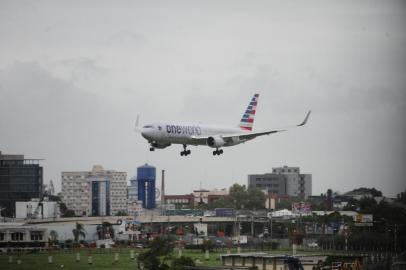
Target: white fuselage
point(170, 133)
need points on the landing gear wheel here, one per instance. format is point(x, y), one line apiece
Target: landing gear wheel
point(185, 152)
point(217, 152)
point(151, 149)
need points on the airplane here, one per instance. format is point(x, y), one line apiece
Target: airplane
point(162, 135)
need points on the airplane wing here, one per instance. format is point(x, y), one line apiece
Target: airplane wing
point(244, 136)
point(229, 138)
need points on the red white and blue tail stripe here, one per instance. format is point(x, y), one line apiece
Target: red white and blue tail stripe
point(247, 120)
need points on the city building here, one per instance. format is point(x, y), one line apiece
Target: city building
point(95, 193)
point(20, 180)
point(22, 236)
point(204, 196)
point(267, 261)
point(283, 181)
point(200, 196)
point(273, 200)
point(134, 208)
point(146, 176)
point(186, 201)
point(133, 189)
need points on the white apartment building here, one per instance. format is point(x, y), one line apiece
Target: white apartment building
point(95, 193)
point(283, 181)
point(297, 184)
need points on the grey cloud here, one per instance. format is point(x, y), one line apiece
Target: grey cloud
point(84, 71)
point(30, 90)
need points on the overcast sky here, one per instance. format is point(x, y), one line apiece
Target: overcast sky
point(74, 75)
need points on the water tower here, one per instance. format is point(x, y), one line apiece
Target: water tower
point(146, 185)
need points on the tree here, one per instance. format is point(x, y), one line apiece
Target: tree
point(53, 236)
point(240, 197)
point(65, 212)
point(207, 245)
point(79, 231)
point(105, 231)
point(363, 190)
point(255, 199)
point(159, 247)
point(150, 261)
point(181, 263)
point(285, 204)
point(366, 205)
point(223, 202)
point(401, 197)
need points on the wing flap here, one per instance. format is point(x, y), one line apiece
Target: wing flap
point(241, 136)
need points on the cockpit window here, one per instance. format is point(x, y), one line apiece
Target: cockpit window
point(148, 126)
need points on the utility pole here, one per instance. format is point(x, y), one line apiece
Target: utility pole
point(252, 224)
point(396, 237)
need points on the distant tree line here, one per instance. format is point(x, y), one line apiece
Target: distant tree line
point(239, 197)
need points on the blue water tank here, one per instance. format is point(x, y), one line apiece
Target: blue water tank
point(146, 172)
point(146, 185)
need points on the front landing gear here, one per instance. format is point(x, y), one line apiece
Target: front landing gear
point(217, 152)
point(185, 152)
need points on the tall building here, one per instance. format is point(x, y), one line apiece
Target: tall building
point(133, 190)
point(20, 180)
point(101, 197)
point(95, 193)
point(146, 176)
point(283, 181)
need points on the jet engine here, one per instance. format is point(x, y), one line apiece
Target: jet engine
point(160, 145)
point(215, 142)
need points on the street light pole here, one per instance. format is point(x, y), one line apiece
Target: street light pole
point(396, 237)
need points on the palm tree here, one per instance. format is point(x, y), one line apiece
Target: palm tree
point(54, 236)
point(79, 231)
point(105, 231)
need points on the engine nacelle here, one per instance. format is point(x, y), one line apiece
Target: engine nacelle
point(160, 145)
point(215, 142)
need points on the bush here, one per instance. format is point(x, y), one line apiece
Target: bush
point(181, 263)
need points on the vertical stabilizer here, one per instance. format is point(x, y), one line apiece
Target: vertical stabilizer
point(247, 120)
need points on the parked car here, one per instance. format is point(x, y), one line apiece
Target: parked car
point(312, 245)
point(219, 243)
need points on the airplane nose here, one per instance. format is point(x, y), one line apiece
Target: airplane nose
point(146, 132)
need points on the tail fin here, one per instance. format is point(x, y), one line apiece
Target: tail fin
point(247, 120)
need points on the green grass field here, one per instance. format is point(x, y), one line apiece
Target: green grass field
point(102, 259)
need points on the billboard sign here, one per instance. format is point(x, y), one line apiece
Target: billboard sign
point(301, 207)
point(363, 220)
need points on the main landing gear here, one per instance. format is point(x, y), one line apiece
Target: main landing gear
point(217, 152)
point(151, 149)
point(185, 152)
